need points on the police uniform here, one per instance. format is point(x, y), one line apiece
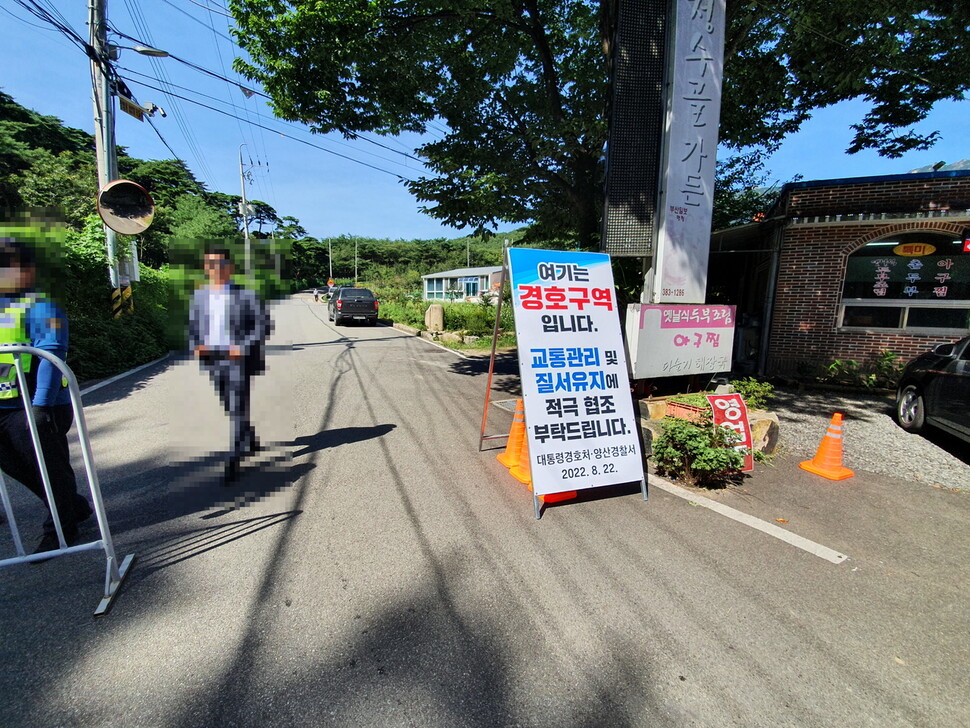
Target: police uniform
point(31, 319)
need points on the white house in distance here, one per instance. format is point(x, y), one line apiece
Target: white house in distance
point(471, 282)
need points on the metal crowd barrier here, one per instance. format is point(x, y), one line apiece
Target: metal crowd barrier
point(115, 574)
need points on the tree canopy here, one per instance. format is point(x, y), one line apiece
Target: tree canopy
point(523, 86)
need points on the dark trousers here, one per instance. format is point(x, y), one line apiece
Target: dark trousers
point(18, 460)
point(231, 379)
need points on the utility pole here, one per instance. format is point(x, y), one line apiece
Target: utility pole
point(106, 152)
point(244, 211)
point(355, 261)
point(330, 256)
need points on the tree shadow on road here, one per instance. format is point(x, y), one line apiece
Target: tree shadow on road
point(505, 374)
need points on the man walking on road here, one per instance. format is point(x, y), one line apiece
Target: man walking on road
point(228, 326)
point(28, 317)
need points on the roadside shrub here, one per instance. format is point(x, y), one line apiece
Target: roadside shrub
point(697, 453)
point(469, 317)
point(883, 370)
point(401, 305)
point(756, 394)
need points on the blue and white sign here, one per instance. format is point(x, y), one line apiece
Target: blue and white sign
point(582, 430)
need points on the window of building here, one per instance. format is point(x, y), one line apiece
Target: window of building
point(436, 287)
point(916, 282)
point(469, 286)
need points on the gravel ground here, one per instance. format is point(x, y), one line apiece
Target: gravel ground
point(873, 441)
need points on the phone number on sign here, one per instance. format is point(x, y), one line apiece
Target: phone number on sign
point(672, 292)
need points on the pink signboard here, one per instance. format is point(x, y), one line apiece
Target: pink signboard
point(731, 412)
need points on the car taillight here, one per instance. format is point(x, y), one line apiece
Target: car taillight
point(376, 304)
point(340, 304)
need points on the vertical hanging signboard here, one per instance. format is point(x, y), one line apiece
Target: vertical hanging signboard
point(687, 175)
point(581, 427)
point(731, 412)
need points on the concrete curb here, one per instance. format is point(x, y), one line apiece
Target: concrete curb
point(117, 377)
point(417, 334)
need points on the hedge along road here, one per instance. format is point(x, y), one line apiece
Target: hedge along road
point(373, 568)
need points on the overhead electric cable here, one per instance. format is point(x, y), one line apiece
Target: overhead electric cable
point(189, 15)
point(287, 136)
point(266, 119)
point(211, 10)
point(175, 109)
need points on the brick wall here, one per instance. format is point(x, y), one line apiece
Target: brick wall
point(812, 266)
point(895, 196)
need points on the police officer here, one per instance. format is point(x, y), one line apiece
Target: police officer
point(28, 317)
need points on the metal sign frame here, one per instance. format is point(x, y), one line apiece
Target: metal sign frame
point(115, 573)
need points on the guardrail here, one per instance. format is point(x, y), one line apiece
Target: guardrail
point(114, 573)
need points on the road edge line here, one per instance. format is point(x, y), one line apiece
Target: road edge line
point(770, 529)
point(116, 377)
point(433, 343)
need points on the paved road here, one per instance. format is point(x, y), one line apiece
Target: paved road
point(374, 569)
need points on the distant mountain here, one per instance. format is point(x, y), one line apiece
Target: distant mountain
point(963, 164)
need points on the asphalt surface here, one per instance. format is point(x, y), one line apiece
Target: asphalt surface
point(373, 568)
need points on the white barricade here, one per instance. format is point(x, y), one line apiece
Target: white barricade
point(115, 573)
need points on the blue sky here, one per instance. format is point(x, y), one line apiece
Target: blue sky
point(330, 195)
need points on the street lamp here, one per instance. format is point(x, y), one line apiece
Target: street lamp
point(144, 50)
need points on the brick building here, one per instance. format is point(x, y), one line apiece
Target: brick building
point(847, 268)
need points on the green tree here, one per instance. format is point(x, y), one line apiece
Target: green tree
point(523, 84)
point(165, 180)
point(65, 182)
point(193, 218)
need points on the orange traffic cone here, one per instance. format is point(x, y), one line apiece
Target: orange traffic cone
point(523, 473)
point(522, 470)
point(828, 459)
point(510, 457)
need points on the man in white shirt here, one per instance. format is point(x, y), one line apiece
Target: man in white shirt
point(228, 326)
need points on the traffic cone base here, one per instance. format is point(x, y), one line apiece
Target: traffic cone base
point(837, 473)
point(522, 471)
point(828, 458)
point(557, 497)
point(510, 457)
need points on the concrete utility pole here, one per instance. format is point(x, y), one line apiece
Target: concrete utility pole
point(106, 152)
point(244, 211)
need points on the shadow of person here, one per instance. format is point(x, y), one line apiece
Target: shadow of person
point(309, 444)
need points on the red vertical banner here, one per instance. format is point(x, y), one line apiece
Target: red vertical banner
point(731, 412)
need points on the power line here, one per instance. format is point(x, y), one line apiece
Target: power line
point(256, 92)
point(189, 15)
point(211, 10)
point(258, 116)
point(276, 131)
point(151, 123)
point(27, 22)
point(178, 114)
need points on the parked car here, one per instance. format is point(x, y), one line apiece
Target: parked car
point(934, 389)
point(353, 304)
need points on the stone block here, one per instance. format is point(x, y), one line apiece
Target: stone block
point(434, 317)
point(764, 431)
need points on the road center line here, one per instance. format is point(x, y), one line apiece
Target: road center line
point(823, 552)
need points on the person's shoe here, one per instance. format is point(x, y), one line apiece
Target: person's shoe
point(49, 543)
